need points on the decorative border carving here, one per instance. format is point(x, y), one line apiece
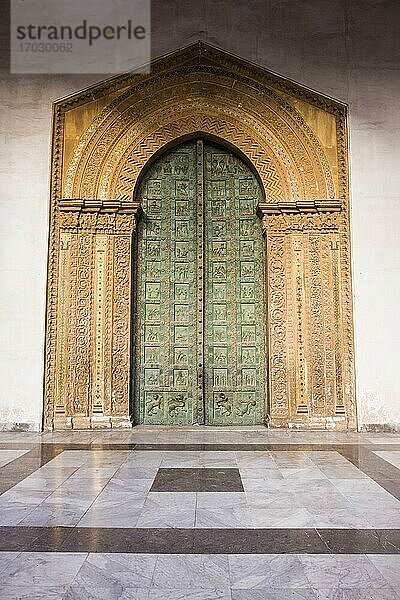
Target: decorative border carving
point(311, 283)
point(93, 333)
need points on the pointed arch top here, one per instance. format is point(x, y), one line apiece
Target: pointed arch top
point(293, 137)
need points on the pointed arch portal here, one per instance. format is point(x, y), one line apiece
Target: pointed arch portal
point(199, 257)
point(200, 318)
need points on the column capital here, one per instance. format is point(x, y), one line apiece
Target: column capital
point(318, 206)
point(109, 216)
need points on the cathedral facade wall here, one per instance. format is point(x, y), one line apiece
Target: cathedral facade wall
point(345, 49)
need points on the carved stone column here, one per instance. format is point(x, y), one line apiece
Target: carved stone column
point(92, 382)
point(305, 324)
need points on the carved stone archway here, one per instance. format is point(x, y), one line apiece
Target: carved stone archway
point(296, 141)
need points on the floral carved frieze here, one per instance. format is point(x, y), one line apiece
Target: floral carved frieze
point(108, 216)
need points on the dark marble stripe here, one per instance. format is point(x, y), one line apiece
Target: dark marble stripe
point(212, 447)
point(382, 472)
point(197, 480)
point(18, 446)
point(200, 541)
point(370, 541)
point(235, 447)
point(20, 468)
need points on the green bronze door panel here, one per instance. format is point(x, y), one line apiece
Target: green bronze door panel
point(165, 383)
point(235, 378)
point(199, 292)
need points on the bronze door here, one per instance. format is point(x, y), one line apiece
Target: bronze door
point(200, 310)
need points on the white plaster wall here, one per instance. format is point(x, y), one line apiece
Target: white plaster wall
point(25, 125)
point(348, 49)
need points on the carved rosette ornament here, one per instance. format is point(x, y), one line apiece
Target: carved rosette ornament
point(293, 139)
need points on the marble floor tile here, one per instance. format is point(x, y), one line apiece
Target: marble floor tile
point(109, 498)
point(319, 486)
point(271, 499)
point(341, 518)
point(198, 571)
point(73, 497)
point(15, 512)
point(19, 496)
point(89, 586)
point(283, 457)
point(111, 458)
point(316, 498)
point(382, 518)
point(363, 486)
point(166, 517)
point(283, 489)
point(171, 500)
point(46, 515)
point(45, 481)
point(94, 472)
point(40, 592)
point(358, 594)
point(302, 473)
point(13, 437)
point(259, 485)
point(342, 472)
point(216, 454)
point(267, 571)
point(56, 576)
point(270, 472)
point(391, 456)
point(7, 456)
point(141, 458)
point(133, 473)
point(133, 570)
point(282, 517)
point(44, 569)
point(120, 515)
point(268, 594)
point(180, 460)
point(254, 459)
point(72, 437)
point(389, 566)
point(325, 456)
point(6, 558)
point(73, 459)
point(228, 516)
point(124, 483)
point(92, 486)
point(189, 594)
point(70, 458)
point(220, 499)
point(218, 463)
point(342, 571)
point(380, 500)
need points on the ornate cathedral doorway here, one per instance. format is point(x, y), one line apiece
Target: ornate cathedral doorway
point(200, 309)
point(185, 342)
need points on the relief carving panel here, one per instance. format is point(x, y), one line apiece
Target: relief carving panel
point(306, 325)
point(93, 333)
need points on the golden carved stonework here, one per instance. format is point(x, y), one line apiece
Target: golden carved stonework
point(294, 139)
point(93, 321)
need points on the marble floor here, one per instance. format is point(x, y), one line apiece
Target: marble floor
point(198, 513)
